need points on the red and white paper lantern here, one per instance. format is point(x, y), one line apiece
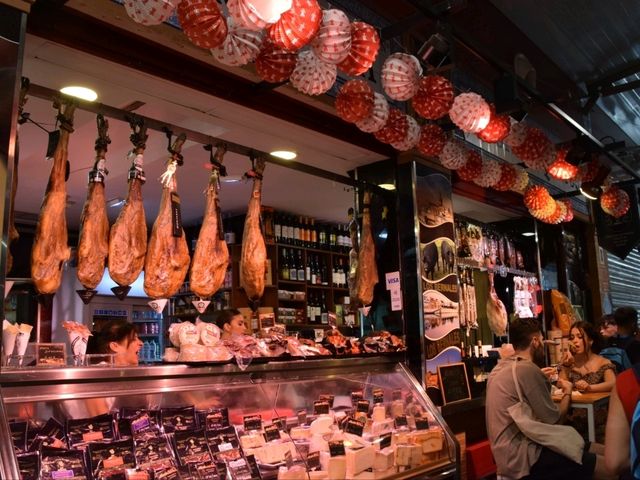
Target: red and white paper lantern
point(615, 201)
point(490, 173)
point(378, 116)
point(400, 75)
point(508, 176)
point(470, 112)
point(355, 100)
point(311, 75)
point(365, 43)
point(453, 155)
point(396, 128)
point(240, 47)
point(517, 134)
point(497, 128)
point(472, 169)
point(274, 64)
point(434, 97)
point(202, 22)
point(333, 41)
point(411, 138)
point(297, 26)
point(538, 201)
point(432, 140)
point(536, 150)
point(150, 12)
point(257, 14)
point(522, 180)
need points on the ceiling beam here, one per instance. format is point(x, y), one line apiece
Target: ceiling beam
point(624, 87)
point(619, 73)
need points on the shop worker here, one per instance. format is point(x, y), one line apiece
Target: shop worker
point(117, 337)
point(230, 322)
point(517, 456)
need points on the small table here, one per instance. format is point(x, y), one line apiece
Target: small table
point(590, 402)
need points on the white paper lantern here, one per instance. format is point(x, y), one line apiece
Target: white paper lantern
point(240, 47)
point(412, 137)
point(517, 134)
point(311, 75)
point(333, 41)
point(257, 14)
point(454, 155)
point(470, 112)
point(490, 174)
point(378, 117)
point(522, 180)
point(400, 76)
point(150, 12)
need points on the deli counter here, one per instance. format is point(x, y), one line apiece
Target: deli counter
point(360, 418)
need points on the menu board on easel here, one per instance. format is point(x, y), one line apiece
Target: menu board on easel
point(454, 383)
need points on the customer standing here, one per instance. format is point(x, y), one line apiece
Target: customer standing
point(517, 456)
point(627, 320)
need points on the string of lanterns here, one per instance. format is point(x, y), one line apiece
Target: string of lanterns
point(297, 41)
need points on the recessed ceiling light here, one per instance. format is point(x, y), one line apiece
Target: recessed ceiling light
point(528, 234)
point(387, 186)
point(231, 179)
point(82, 93)
point(284, 154)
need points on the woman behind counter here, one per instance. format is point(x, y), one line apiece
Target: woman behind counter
point(117, 337)
point(230, 322)
point(582, 366)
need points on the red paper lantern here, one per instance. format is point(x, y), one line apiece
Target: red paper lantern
point(150, 12)
point(400, 75)
point(411, 138)
point(434, 97)
point(257, 14)
point(536, 146)
point(297, 26)
point(432, 140)
point(497, 128)
point(615, 201)
point(202, 22)
point(589, 171)
point(558, 215)
point(470, 112)
point(560, 169)
point(333, 41)
point(453, 155)
point(365, 44)
point(472, 169)
point(240, 47)
point(311, 75)
point(355, 100)
point(508, 176)
point(395, 129)
point(539, 202)
point(378, 116)
point(274, 64)
point(568, 216)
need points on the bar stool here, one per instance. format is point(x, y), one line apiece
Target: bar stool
point(480, 462)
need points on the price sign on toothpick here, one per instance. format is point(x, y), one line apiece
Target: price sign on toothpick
point(333, 320)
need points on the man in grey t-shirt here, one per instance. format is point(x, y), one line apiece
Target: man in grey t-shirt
point(516, 456)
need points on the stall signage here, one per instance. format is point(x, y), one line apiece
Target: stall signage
point(108, 312)
point(454, 382)
point(619, 235)
point(51, 355)
point(434, 347)
point(393, 285)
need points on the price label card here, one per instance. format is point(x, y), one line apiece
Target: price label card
point(252, 422)
point(385, 440)
point(401, 421)
point(355, 427)
point(271, 433)
point(357, 396)
point(281, 422)
point(217, 418)
point(378, 395)
point(336, 448)
point(396, 394)
point(327, 398)
point(363, 406)
point(313, 461)
point(51, 355)
point(321, 407)
point(302, 417)
point(422, 423)
point(333, 319)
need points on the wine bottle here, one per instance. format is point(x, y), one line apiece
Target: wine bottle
point(307, 269)
point(293, 268)
point(324, 275)
point(301, 269)
point(285, 229)
point(314, 234)
point(296, 232)
point(322, 236)
point(284, 266)
point(332, 238)
point(335, 274)
point(314, 271)
point(324, 312)
point(277, 227)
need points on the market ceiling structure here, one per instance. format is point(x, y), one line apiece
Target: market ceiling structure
point(579, 52)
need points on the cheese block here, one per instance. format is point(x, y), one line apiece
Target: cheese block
point(379, 413)
point(322, 424)
point(300, 433)
point(408, 454)
point(360, 459)
point(337, 467)
point(318, 444)
point(384, 459)
point(380, 428)
point(397, 408)
point(430, 440)
point(254, 440)
point(360, 416)
point(274, 452)
point(294, 473)
point(399, 438)
point(416, 455)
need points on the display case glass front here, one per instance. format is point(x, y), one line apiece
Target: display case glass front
point(320, 419)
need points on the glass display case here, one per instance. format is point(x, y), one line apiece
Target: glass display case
point(360, 418)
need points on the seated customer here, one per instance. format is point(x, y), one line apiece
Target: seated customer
point(608, 326)
point(230, 322)
point(582, 366)
point(517, 456)
point(117, 337)
point(627, 320)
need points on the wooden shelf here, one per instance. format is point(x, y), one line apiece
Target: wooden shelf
point(293, 282)
point(323, 287)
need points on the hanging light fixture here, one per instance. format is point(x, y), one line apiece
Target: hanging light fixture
point(593, 188)
point(561, 169)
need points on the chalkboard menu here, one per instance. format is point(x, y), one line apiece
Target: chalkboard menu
point(454, 382)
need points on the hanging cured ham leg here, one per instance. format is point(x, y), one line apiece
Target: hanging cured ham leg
point(128, 238)
point(353, 255)
point(496, 311)
point(367, 273)
point(167, 258)
point(93, 245)
point(253, 259)
point(50, 249)
point(211, 255)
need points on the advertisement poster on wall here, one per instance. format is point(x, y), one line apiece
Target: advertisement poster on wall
point(440, 293)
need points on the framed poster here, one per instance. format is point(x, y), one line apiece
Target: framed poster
point(454, 383)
